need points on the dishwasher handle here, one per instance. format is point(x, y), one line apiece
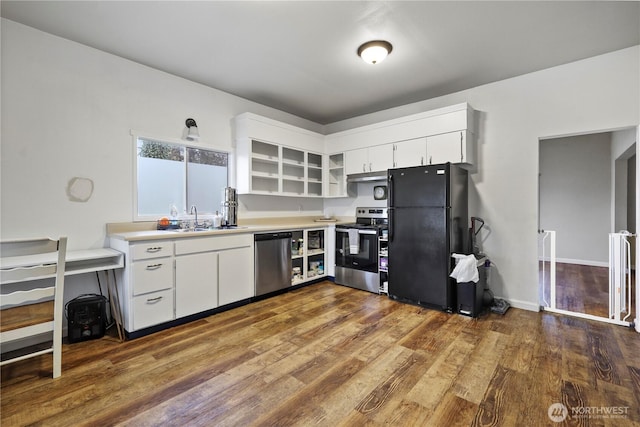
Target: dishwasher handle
point(273, 236)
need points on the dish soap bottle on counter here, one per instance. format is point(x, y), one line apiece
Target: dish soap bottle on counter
point(185, 221)
point(173, 217)
point(217, 220)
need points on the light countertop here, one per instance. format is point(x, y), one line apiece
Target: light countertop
point(138, 231)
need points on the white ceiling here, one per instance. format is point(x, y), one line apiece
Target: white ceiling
point(300, 56)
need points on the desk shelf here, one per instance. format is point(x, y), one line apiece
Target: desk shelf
point(77, 262)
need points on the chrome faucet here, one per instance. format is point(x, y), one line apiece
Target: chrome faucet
point(194, 211)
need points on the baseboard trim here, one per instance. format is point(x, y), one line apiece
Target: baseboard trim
point(578, 262)
point(587, 316)
point(524, 305)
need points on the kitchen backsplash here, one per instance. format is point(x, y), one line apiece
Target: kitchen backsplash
point(258, 206)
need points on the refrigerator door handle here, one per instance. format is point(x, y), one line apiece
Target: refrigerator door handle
point(390, 205)
point(390, 201)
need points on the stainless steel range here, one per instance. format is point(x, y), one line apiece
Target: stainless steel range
point(357, 249)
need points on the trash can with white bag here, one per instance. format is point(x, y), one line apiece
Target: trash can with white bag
point(470, 274)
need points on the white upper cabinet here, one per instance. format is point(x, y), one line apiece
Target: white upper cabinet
point(293, 171)
point(410, 153)
point(436, 136)
point(315, 175)
point(276, 158)
point(434, 122)
point(336, 181)
point(454, 147)
point(380, 157)
point(371, 159)
point(263, 174)
point(356, 161)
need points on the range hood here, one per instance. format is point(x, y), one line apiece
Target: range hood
point(367, 177)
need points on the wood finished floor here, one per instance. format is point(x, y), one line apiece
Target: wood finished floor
point(333, 356)
point(582, 289)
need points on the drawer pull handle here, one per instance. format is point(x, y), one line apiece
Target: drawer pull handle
point(154, 249)
point(154, 300)
point(153, 266)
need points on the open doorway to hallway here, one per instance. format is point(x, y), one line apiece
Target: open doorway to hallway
point(586, 191)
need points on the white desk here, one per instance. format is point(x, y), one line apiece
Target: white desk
point(77, 262)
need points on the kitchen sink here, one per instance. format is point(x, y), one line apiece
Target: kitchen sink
point(186, 230)
point(199, 229)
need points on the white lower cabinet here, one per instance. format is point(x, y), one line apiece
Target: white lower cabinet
point(235, 275)
point(196, 283)
point(152, 309)
point(152, 275)
point(165, 280)
point(146, 294)
point(152, 291)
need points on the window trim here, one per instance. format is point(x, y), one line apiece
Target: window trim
point(139, 135)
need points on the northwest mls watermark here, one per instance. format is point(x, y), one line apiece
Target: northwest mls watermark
point(558, 412)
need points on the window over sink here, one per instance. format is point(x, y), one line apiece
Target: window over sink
point(171, 173)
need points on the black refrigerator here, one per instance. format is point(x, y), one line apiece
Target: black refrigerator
point(428, 221)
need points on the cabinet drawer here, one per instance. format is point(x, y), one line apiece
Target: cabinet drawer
point(207, 244)
point(152, 275)
point(152, 309)
point(151, 250)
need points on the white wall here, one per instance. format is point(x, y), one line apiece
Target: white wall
point(632, 177)
point(67, 111)
point(622, 149)
point(362, 196)
point(621, 143)
point(575, 196)
point(596, 94)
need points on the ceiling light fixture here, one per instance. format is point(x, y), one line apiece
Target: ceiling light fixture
point(192, 130)
point(374, 51)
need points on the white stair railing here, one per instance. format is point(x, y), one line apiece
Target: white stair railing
point(550, 236)
point(619, 278)
point(620, 292)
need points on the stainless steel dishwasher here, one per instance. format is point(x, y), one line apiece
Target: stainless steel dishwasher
point(272, 262)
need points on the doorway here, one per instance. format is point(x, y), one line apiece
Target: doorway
point(586, 191)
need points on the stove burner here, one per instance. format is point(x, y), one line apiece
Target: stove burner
point(370, 219)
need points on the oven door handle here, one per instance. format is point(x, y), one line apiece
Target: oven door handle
point(345, 230)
